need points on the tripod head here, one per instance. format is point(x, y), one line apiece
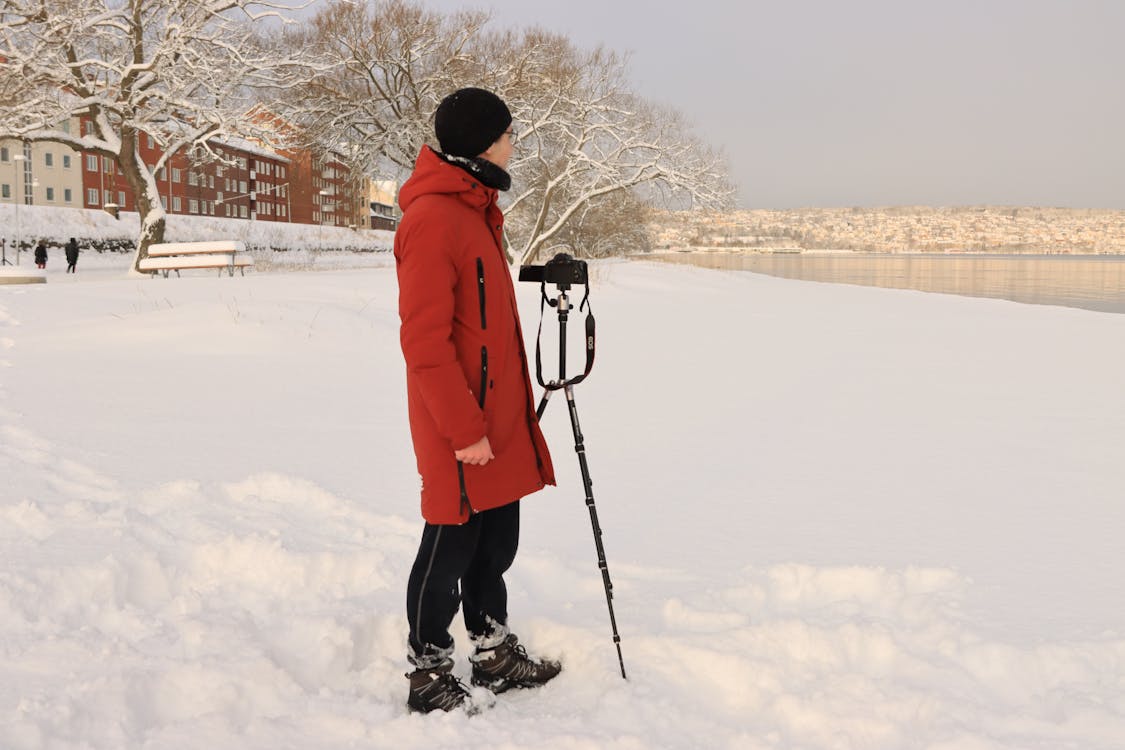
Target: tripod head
point(562, 271)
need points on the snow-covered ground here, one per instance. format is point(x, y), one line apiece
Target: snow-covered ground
point(835, 516)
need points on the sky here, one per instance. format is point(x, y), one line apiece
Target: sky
point(878, 102)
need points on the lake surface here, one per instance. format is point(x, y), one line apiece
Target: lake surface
point(1091, 282)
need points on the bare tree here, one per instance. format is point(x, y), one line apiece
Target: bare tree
point(587, 142)
point(590, 142)
point(387, 66)
point(611, 225)
point(179, 72)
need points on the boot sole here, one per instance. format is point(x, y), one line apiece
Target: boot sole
point(502, 685)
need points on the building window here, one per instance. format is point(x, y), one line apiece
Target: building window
point(107, 164)
point(67, 195)
point(91, 163)
point(211, 181)
point(5, 190)
point(51, 195)
point(160, 173)
point(193, 206)
point(66, 161)
point(148, 139)
point(226, 207)
point(192, 179)
point(175, 175)
point(242, 211)
point(48, 159)
point(176, 203)
point(66, 126)
point(121, 198)
point(92, 196)
point(108, 198)
point(242, 186)
point(164, 202)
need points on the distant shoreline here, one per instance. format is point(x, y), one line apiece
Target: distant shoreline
point(905, 229)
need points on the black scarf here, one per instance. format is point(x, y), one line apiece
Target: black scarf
point(488, 173)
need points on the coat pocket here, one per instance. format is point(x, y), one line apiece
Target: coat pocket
point(483, 375)
point(480, 292)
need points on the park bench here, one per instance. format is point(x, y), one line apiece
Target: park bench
point(225, 255)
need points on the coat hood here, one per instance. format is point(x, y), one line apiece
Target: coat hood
point(434, 175)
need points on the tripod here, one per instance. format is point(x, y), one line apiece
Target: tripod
point(562, 303)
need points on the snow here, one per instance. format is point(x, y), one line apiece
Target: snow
point(835, 517)
point(57, 225)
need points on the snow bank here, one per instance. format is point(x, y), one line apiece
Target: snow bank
point(57, 225)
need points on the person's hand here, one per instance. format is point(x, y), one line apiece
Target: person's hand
point(477, 454)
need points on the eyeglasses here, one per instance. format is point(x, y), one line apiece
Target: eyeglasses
point(511, 136)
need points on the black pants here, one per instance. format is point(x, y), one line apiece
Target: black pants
point(461, 565)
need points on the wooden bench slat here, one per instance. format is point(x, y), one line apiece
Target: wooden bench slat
point(203, 261)
point(192, 248)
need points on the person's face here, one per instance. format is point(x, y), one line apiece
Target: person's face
point(500, 152)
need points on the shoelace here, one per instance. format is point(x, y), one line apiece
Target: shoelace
point(448, 692)
point(515, 665)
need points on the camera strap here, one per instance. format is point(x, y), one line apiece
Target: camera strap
point(543, 302)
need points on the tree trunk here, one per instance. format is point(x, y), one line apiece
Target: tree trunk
point(146, 193)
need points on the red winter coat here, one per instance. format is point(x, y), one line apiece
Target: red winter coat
point(466, 370)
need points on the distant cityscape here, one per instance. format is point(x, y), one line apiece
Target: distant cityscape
point(908, 229)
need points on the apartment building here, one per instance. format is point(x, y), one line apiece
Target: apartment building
point(44, 174)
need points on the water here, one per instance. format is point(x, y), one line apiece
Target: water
point(1090, 282)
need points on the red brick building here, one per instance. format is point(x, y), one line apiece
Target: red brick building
point(248, 181)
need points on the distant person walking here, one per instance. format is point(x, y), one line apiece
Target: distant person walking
point(41, 254)
point(71, 255)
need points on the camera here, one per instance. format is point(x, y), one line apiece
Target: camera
point(562, 270)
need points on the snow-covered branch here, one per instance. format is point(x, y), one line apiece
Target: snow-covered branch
point(178, 72)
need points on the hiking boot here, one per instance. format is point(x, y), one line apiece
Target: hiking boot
point(508, 666)
point(437, 688)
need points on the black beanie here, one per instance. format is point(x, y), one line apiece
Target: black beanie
point(470, 120)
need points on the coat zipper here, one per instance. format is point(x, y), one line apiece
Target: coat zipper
point(480, 292)
point(465, 504)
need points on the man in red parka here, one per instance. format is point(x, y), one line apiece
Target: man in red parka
point(472, 419)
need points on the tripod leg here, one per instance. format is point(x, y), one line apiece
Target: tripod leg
point(580, 448)
point(543, 404)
